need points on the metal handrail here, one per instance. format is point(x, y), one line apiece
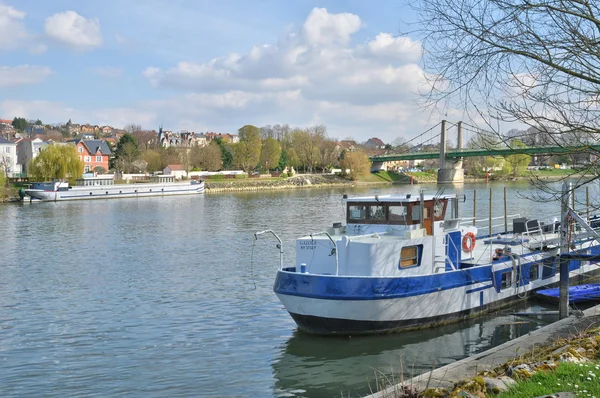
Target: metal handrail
point(279, 245)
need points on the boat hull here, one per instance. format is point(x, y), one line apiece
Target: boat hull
point(397, 308)
point(117, 191)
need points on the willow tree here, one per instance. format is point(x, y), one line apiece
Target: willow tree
point(56, 162)
point(531, 62)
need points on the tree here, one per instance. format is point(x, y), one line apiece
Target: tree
point(169, 155)
point(246, 153)
point(328, 153)
point(3, 183)
point(132, 128)
point(270, 153)
point(226, 155)
point(146, 139)
point(152, 159)
point(99, 170)
point(535, 62)
point(293, 159)
point(20, 123)
point(56, 161)
point(306, 143)
point(207, 157)
point(517, 164)
point(126, 153)
point(38, 123)
point(357, 162)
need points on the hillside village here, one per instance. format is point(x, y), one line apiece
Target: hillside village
point(21, 141)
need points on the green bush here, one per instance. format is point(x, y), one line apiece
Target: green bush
point(241, 176)
point(283, 175)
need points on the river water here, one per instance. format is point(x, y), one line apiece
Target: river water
point(157, 297)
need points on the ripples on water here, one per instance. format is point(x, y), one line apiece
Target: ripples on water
point(173, 297)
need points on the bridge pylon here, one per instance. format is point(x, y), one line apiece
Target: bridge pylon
point(451, 170)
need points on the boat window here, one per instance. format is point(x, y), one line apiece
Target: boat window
point(376, 213)
point(439, 209)
point(397, 213)
point(416, 212)
point(506, 280)
point(356, 212)
point(534, 272)
point(410, 256)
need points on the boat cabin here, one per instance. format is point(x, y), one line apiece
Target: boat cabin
point(396, 211)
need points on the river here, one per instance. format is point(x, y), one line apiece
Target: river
point(172, 296)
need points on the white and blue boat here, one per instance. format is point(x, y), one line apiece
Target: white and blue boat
point(405, 262)
point(103, 187)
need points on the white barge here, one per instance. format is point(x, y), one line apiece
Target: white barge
point(403, 262)
point(103, 187)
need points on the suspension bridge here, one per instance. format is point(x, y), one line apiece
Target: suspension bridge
point(450, 169)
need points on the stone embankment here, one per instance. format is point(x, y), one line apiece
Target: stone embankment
point(257, 184)
point(575, 339)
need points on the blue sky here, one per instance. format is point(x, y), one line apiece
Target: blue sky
point(214, 65)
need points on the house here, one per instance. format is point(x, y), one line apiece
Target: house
point(347, 145)
point(374, 143)
point(230, 138)
point(93, 153)
point(184, 139)
point(8, 158)
point(88, 128)
point(106, 129)
point(73, 129)
point(27, 150)
point(176, 170)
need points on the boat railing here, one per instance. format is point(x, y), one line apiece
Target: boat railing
point(279, 245)
point(490, 224)
point(333, 250)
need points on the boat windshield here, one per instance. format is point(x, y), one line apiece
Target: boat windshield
point(394, 213)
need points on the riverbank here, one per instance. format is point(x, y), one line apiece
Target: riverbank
point(575, 339)
point(298, 181)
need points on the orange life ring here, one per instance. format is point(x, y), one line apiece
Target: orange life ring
point(468, 242)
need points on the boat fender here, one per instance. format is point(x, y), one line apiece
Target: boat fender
point(468, 242)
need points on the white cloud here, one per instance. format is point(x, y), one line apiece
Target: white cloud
point(389, 47)
point(323, 28)
point(73, 30)
point(22, 75)
point(313, 73)
point(12, 28)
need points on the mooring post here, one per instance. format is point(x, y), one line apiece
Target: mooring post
point(505, 215)
point(587, 203)
point(563, 301)
point(474, 207)
point(490, 212)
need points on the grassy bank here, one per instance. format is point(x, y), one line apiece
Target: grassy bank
point(569, 362)
point(582, 379)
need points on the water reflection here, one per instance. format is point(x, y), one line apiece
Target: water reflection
point(311, 366)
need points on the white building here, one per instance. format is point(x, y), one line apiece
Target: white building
point(27, 150)
point(176, 170)
point(8, 158)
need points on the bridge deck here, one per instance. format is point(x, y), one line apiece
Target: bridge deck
point(466, 153)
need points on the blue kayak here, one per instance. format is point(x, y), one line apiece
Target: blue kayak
point(577, 294)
